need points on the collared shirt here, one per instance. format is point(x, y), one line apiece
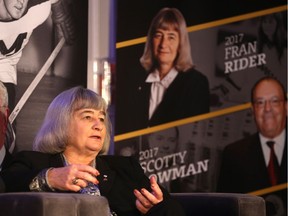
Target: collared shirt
point(278, 146)
point(159, 87)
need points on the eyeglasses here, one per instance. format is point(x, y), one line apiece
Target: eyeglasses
point(274, 102)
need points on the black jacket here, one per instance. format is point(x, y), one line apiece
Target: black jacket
point(122, 176)
point(243, 167)
point(187, 96)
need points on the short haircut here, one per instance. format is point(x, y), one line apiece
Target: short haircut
point(53, 134)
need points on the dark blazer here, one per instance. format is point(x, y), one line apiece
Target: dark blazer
point(188, 95)
point(243, 167)
point(119, 176)
point(7, 158)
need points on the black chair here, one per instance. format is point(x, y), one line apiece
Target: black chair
point(52, 204)
point(221, 204)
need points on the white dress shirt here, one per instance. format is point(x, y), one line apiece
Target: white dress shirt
point(159, 87)
point(278, 146)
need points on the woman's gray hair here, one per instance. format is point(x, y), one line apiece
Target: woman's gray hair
point(165, 19)
point(54, 132)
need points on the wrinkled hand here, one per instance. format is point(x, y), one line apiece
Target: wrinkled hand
point(145, 199)
point(62, 178)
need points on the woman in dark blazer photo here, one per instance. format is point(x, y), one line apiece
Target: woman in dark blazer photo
point(173, 89)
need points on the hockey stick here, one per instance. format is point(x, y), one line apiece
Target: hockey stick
point(36, 80)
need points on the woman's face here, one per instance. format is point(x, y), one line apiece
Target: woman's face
point(87, 131)
point(165, 46)
point(15, 8)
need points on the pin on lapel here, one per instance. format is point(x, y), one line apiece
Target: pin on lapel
point(105, 178)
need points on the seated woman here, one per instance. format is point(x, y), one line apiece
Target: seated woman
point(69, 156)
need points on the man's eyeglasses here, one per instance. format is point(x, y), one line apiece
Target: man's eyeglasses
point(274, 102)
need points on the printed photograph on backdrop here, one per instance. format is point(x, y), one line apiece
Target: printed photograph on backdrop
point(172, 87)
point(40, 43)
point(246, 51)
point(190, 157)
point(187, 158)
point(229, 57)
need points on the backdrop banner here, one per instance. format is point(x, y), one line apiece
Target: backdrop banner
point(186, 155)
point(36, 64)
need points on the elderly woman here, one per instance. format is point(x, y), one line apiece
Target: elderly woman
point(173, 88)
point(68, 157)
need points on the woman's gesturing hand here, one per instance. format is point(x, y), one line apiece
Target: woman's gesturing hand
point(145, 199)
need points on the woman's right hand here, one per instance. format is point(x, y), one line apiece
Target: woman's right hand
point(145, 199)
point(72, 177)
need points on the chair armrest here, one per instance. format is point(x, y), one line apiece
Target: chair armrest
point(51, 204)
point(221, 204)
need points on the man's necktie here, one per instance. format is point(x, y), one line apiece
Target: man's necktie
point(273, 166)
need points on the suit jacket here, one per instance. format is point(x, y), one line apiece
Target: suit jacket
point(188, 95)
point(7, 158)
point(119, 176)
point(243, 167)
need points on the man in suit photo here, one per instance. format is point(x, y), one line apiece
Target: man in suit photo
point(260, 160)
